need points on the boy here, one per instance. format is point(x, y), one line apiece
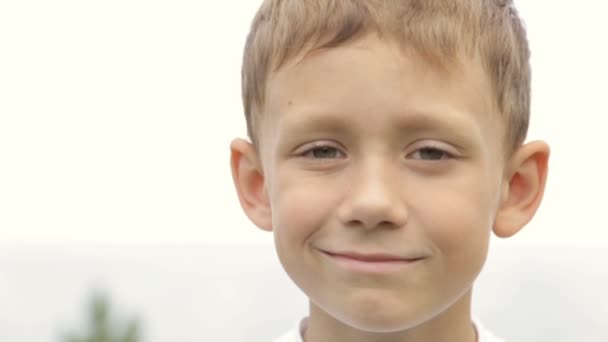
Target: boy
point(387, 144)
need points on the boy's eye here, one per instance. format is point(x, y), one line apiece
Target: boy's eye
point(430, 153)
point(324, 152)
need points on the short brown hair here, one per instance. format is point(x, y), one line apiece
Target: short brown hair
point(439, 29)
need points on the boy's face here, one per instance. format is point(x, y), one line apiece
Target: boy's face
point(365, 149)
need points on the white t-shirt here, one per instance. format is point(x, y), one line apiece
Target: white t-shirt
point(295, 335)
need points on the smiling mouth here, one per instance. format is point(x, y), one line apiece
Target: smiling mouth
point(372, 257)
point(373, 263)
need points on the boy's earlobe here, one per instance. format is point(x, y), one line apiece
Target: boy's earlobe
point(248, 178)
point(524, 189)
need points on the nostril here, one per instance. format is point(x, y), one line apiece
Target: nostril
point(372, 224)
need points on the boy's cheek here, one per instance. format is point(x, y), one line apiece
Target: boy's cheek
point(458, 221)
point(301, 209)
point(454, 203)
point(459, 229)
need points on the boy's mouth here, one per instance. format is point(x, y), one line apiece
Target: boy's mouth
point(372, 257)
point(371, 263)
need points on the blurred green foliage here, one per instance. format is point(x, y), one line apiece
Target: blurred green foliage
point(101, 328)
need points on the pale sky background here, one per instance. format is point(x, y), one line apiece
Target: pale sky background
point(116, 116)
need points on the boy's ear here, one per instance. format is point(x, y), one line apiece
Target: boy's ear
point(523, 189)
point(248, 178)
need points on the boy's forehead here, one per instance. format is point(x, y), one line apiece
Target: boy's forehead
point(370, 68)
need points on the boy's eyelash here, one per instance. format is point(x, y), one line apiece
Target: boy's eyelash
point(430, 148)
point(320, 147)
point(434, 149)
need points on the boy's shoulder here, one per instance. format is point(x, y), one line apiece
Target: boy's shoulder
point(296, 333)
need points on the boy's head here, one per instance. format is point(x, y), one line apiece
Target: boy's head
point(387, 145)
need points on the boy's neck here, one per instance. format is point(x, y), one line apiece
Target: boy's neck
point(452, 325)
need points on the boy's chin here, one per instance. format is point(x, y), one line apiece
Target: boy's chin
point(388, 314)
point(383, 324)
point(383, 321)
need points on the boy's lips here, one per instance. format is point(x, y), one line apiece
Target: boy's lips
point(372, 263)
point(372, 257)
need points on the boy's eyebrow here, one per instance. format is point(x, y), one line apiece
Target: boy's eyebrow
point(449, 121)
point(301, 120)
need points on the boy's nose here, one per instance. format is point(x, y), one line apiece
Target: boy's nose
point(373, 200)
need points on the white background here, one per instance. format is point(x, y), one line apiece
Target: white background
point(115, 119)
